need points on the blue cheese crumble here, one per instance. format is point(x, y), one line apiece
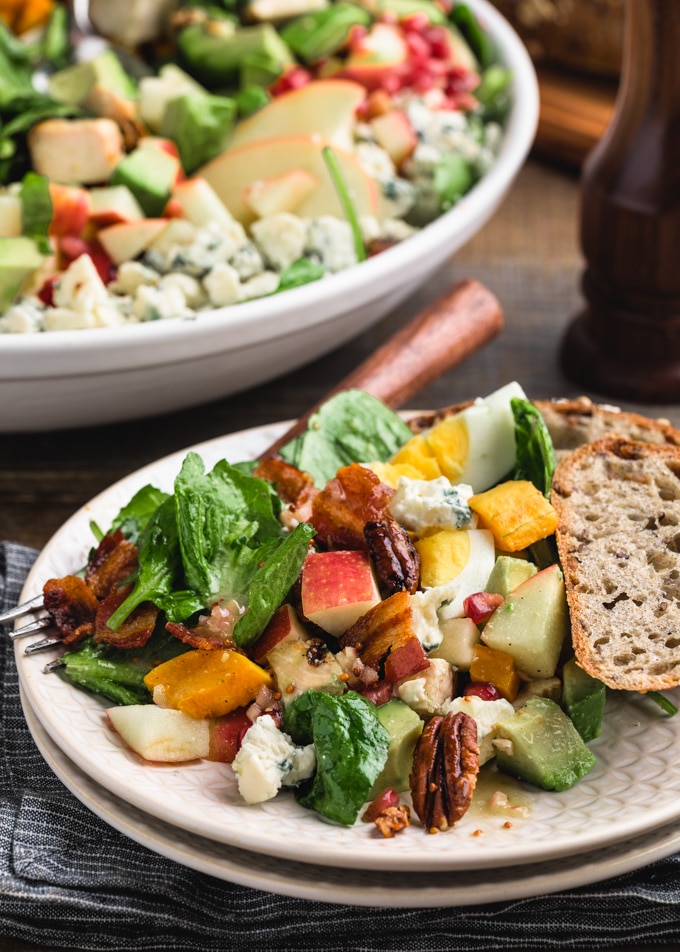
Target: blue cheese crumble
point(424, 504)
point(269, 760)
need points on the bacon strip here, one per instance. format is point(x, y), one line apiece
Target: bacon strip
point(73, 607)
point(135, 630)
point(341, 510)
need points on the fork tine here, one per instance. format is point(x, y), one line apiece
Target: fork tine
point(31, 628)
point(30, 606)
point(41, 645)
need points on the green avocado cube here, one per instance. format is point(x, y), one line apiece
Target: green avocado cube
point(200, 124)
point(404, 727)
point(18, 258)
point(544, 747)
point(149, 173)
point(74, 83)
point(509, 572)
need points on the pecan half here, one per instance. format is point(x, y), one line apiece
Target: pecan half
point(396, 560)
point(445, 768)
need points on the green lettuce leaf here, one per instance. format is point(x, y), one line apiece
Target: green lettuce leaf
point(535, 454)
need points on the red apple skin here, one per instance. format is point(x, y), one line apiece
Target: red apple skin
point(284, 624)
point(337, 587)
point(70, 210)
point(226, 735)
point(71, 248)
point(405, 660)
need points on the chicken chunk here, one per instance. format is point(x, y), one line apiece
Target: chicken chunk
point(76, 151)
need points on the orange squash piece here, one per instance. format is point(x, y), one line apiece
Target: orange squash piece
point(207, 683)
point(496, 667)
point(516, 513)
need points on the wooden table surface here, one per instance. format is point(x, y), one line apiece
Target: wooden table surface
point(528, 255)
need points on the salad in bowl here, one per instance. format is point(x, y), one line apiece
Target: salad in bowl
point(210, 155)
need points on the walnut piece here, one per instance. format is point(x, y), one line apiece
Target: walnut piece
point(445, 768)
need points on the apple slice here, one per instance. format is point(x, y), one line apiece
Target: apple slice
point(161, 734)
point(11, 212)
point(375, 55)
point(70, 209)
point(326, 108)
point(394, 132)
point(199, 202)
point(531, 624)
point(338, 587)
point(284, 625)
point(232, 172)
point(283, 193)
point(126, 241)
point(112, 205)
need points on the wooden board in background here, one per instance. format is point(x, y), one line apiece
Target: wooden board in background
point(575, 111)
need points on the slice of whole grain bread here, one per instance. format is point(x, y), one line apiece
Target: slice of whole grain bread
point(618, 503)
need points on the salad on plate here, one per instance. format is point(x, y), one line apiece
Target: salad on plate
point(195, 156)
point(374, 619)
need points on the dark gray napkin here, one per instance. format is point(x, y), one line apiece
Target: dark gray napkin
point(91, 888)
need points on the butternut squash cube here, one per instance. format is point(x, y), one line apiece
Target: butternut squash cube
point(516, 513)
point(207, 683)
point(496, 667)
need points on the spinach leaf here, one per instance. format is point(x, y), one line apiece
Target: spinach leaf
point(352, 426)
point(276, 566)
point(479, 41)
point(134, 516)
point(351, 750)
point(333, 166)
point(217, 514)
point(535, 453)
point(118, 673)
point(302, 271)
point(159, 577)
point(36, 210)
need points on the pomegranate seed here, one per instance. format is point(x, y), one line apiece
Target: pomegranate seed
point(484, 690)
point(435, 38)
point(388, 798)
point(417, 47)
point(295, 78)
point(481, 605)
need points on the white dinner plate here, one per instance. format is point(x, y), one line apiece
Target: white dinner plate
point(349, 886)
point(634, 787)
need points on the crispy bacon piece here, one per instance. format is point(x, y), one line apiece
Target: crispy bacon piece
point(73, 607)
point(114, 559)
point(350, 500)
point(294, 487)
point(385, 637)
point(135, 630)
point(215, 630)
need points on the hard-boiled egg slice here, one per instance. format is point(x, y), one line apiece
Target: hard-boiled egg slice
point(475, 446)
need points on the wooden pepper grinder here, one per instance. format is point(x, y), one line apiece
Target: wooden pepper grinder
point(626, 342)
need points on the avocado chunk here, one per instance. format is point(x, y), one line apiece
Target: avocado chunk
point(213, 51)
point(509, 572)
point(73, 84)
point(149, 174)
point(404, 727)
point(19, 257)
point(545, 748)
point(583, 698)
point(200, 124)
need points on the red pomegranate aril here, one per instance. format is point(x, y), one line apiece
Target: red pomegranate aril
point(388, 798)
point(46, 292)
point(483, 690)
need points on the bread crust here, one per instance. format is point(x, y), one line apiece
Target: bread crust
point(618, 539)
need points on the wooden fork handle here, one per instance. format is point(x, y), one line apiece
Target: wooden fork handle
point(448, 331)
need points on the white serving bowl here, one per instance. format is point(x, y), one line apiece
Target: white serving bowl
point(79, 378)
